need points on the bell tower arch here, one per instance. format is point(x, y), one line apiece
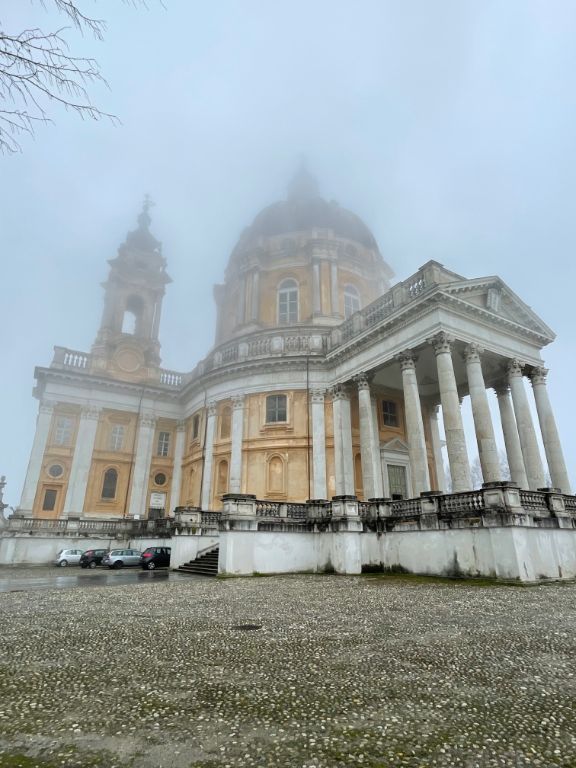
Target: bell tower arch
point(127, 345)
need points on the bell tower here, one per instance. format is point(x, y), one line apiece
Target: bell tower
point(127, 345)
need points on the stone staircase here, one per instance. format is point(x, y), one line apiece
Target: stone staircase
point(205, 565)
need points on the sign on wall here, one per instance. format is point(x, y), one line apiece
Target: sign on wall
point(158, 500)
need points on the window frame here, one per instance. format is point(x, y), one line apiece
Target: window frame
point(63, 433)
point(276, 410)
point(351, 299)
point(288, 294)
point(386, 414)
point(116, 431)
point(105, 479)
point(163, 443)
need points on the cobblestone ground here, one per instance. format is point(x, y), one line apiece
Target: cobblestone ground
point(366, 671)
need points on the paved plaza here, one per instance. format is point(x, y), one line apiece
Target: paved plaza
point(343, 671)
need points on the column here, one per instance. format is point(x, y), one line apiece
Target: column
point(316, 302)
point(334, 288)
point(453, 427)
point(377, 459)
point(511, 438)
point(81, 462)
point(487, 450)
point(235, 482)
point(177, 473)
point(437, 448)
point(414, 425)
point(255, 295)
point(141, 470)
point(318, 443)
point(43, 421)
point(343, 456)
point(367, 443)
point(206, 494)
point(550, 437)
point(526, 431)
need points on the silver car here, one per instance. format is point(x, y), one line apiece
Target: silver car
point(68, 557)
point(118, 558)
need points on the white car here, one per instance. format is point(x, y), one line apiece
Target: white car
point(68, 557)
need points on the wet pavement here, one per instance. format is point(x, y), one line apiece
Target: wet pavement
point(32, 578)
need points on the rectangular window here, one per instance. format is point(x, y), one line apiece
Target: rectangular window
point(390, 413)
point(117, 437)
point(163, 443)
point(49, 503)
point(195, 427)
point(276, 409)
point(63, 435)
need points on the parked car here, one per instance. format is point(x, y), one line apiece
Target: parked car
point(67, 557)
point(92, 557)
point(155, 557)
point(118, 558)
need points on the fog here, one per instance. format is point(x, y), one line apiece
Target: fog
point(447, 126)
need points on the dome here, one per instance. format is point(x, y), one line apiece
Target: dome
point(303, 211)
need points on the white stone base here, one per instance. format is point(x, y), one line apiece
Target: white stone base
point(515, 553)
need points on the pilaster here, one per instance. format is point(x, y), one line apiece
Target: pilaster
point(343, 456)
point(141, 471)
point(318, 443)
point(235, 483)
point(80, 469)
point(206, 494)
point(43, 421)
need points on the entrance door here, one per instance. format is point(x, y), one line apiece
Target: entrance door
point(397, 481)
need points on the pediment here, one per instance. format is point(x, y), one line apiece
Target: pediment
point(396, 445)
point(493, 296)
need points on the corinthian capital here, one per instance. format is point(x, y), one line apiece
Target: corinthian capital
point(407, 360)
point(472, 353)
point(212, 407)
point(538, 375)
point(441, 343)
point(340, 392)
point(90, 412)
point(515, 368)
point(237, 402)
point(317, 395)
point(362, 381)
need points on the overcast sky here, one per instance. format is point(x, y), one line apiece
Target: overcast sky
point(447, 125)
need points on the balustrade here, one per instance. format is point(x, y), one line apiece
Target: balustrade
point(469, 501)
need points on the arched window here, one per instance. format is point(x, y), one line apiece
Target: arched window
point(132, 315)
point(109, 484)
point(351, 300)
point(225, 422)
point(222, 478)
point(288, 301)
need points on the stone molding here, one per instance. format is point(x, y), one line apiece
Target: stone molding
point(46, 406)
point(212, 407)
point(181, 426)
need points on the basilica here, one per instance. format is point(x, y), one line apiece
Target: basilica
point(326, 380)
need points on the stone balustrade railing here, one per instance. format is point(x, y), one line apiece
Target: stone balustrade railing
point(71, 358)
point(496, 504)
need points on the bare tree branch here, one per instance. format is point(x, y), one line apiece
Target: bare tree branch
point(37, 70)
